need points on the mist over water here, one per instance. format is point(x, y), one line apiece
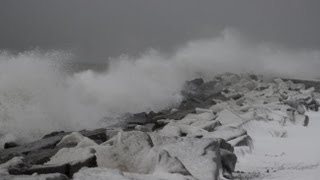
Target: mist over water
point(37, 96)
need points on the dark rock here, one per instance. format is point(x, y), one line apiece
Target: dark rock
point(228, 161)
point(179, 114)
point(236, 97)
point(244, 140)
point(224, 145)
point(190, 103)
point(159, 115)
point(9, 145)
point(53, 134)
point(139, 118)
point(172, 164)
point(28, 149)
point(41, 169)
point(308, 83)
point(192, 87)
point(254, 77)
point(98, 135)
point(201, 92)
point(55, 176)
point(68, 169)
point(76, 166)
point(210, 85)
point(112, 132)
point(196, 82)
point(306, 121)
point(152, 114)
point(41, 156)
point(146, 128)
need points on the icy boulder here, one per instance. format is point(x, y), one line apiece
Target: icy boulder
point(129, 152)
point(139, 152)
point(226, 117)
point(69, 155)
point(204, 120)
point(76, 139)
point(219, 107)
point(14, 162)
point(201, 157)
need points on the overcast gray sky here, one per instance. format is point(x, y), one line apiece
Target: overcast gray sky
point(97, 29)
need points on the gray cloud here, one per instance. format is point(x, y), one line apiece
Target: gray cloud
point(96, 30)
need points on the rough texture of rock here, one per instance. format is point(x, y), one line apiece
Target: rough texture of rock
point(127, 153)
point(139, 118)
point(226, 117)
point(67, 169)
point(244, 140)
point(8, 145)
point(33, 152)
point(228, 161)
point(98, 135)
point(54, 176)
point(138, 152)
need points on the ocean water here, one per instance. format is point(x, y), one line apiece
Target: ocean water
point(41, 92)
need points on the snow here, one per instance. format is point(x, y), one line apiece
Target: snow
point(82, 151)
point(295, 157)
point(226, 117)
point(69, 155)
point(73, 138)
point(99, 174)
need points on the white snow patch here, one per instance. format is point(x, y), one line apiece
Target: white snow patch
point(295, 157)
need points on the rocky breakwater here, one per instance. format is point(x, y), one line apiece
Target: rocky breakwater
point(200, 139)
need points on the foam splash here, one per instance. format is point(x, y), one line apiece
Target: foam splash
point(36, 97)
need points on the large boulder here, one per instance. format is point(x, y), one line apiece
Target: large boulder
point(201, 157)
point(139, 152)
point(229, 118)
point(129, 152)
point(34, 152)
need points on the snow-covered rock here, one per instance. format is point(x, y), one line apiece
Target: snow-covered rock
point(227, 133)
point(182, 130)
point(138, 152)
point(130, 152)
point(76, 139)
point(70, 155)
point(226, 117)
point(14, 162)
point(192, 118)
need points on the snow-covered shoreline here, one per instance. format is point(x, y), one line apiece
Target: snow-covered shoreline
point(295, 157)
point(233, 127)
